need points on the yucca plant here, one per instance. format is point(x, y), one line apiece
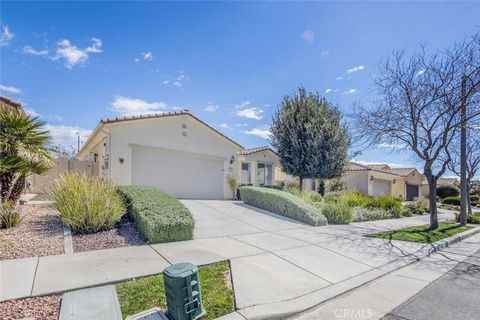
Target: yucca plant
point(86, 204)
point(23, 151)
point(9, 215)
point(233, 184)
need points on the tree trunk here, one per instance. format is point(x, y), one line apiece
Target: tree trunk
point(17, 189)
point(432, 197)
point(469, 202)
point(463, 155)
point(6, 180)
point(300, 183)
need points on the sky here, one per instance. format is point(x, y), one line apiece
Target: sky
point(229, 63)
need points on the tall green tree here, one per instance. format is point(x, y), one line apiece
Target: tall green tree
point(310, 137)
point(23, 151)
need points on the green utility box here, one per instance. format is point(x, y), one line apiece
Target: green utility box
point(182, 289)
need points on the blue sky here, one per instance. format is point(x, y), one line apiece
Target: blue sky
point(229, 63)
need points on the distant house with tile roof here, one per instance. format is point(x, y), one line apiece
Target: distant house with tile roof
point(10, 104)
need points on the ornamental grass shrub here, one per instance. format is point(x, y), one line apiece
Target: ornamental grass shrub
point(337, 213)
point(86, 204)
point(159, 216)
point(283, 203)
point(9, 215)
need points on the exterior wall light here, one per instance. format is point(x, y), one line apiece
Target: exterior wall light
point(232, 160)
point(371, 178)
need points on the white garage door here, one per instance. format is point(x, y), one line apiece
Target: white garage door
point(381, 187)
point(183, 175)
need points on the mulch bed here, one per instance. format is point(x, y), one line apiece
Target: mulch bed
point(44, 308)
point(39, 234)
point(125, 234)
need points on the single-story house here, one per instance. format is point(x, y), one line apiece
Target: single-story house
point(381, 179)
point(175, 151)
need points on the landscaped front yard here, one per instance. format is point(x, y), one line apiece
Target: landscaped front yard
point(422, 234)
point(145, 293)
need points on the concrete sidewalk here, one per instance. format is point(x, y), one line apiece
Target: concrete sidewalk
point(278, 266)
point(378, 298)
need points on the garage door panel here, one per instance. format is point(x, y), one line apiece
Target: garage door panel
point(381, 187)
point(181, 174)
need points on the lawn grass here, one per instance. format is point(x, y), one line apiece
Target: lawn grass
point(422, 233)
point(145, 293)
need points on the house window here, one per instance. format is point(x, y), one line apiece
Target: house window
point(246, 173)
point(264, 174)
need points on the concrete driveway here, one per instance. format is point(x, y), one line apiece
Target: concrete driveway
point(281, 259)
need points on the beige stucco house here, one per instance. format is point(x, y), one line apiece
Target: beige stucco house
point(381, 179)
point(177, 152)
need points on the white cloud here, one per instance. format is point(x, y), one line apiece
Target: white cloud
point(177, 81)
point(67, 135)
point(128, 106)
point(73, 55)
point(419, 73)
point(259, 132)
point(350, 91)
point(355, 69)
point(224, 125)
point(328, 90)
point(147, 56)
point(324, 52)
point(251, 113)
point(391, 145)
point(240, 125)
point(244, 109)
point(5, 36)
point(10, 89)
point(339, 78)
point(308, 36)
point(32, 51)
point(136, 60)
point(211, 107)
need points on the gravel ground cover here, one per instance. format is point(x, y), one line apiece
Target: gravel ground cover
point(44, 308)
point(125, 234)
point(39, 234)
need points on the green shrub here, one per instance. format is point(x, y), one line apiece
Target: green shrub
point(354, 199)
point(9, 215)
point(384, 202)
point(307, 196)
point(337, 213)
point(283, 203)
point(474, 199)
point(448, 191)
point(86, 204)
point(159, 216)
point(370, 214)
point(452, 200)
point(473, 218)
point(420, 206)
point(334, 196)
point(233, 184)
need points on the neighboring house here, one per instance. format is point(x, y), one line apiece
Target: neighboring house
point(175, 151)
point(440, 182)
point(9, 104)
point(258, 166)
point(381, 179)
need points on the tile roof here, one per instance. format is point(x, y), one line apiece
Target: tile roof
point(380, 166)
point(10, 103)
point(402, 171)
point(154, 116)
point(354, 166)
point(255, 150)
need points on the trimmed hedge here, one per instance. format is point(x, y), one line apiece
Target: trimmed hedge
point(282, 203)
point(448, 191)
point(159, 216)
point(452, 200)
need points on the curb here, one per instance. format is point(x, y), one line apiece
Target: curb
point(442, 244)
point(290, 308)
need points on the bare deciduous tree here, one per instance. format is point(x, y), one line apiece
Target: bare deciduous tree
point(419, 107)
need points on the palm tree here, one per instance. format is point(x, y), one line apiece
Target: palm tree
point(23, 151)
